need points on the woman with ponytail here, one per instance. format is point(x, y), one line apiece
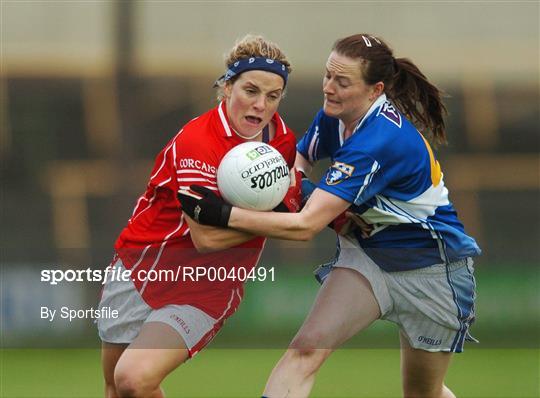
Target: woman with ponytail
point(409, 260)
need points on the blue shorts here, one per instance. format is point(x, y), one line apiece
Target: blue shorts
point(433, 306)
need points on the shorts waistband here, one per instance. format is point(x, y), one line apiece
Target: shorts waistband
point(437, 268)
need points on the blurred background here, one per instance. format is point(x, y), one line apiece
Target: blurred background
point(92, 90)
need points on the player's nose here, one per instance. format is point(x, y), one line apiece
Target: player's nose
point(260, 103)
point(329, 86)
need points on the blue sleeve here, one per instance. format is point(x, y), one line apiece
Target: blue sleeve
point(307, 189)
point(354, 176)
point(311, 145)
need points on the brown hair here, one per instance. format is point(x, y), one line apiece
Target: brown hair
point(405, 84)
point(252, 46)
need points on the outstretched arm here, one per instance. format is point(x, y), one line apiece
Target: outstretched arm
point(321, 208)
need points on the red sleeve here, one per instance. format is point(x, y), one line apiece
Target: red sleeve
point(164, 174)
point(195, 164)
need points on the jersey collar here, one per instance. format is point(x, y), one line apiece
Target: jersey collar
point(376, 105)
point(227, 131)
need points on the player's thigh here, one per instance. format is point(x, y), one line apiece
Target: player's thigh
point(110, 354)
point(344, 305)
point(420, 369)
point(157, 351)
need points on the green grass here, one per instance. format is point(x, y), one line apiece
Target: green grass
point(487, 373)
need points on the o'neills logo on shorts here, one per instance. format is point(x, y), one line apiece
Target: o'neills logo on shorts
point(181, 322)
point(429, 340)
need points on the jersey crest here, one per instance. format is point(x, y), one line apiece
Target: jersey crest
point(339, 172)
point(391, 113)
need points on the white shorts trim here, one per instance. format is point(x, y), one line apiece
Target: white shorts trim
point(191, 323)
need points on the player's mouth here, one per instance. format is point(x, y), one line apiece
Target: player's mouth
point(331, 102)
point(253, 120)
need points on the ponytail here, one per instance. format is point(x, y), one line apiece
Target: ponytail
point(419, 100)
point(407, 87)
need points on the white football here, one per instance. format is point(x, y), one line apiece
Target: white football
point(254, 176)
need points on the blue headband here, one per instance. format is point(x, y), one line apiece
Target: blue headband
point(254, 63)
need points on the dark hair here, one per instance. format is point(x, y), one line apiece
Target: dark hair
point(405, 85)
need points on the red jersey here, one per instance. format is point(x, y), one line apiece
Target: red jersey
point(157, 236)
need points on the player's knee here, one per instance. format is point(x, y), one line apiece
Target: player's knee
point(134, 382)
point(127, 386)
point(305, 357)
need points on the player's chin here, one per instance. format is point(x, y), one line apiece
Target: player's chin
point(330, 109)
point(250, 130)
point(250, 127)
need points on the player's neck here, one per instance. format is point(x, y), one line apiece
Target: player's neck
point(350, 127)
point(254, 137)
point(267, 134)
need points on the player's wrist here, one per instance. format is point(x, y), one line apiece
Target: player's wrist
point(225, 215)
point(205, 207)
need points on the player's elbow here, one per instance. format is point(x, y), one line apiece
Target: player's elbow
point(200, 246)
point(306, 229)
point(304, 236)
point(308, 234)
point(204, 244)
point(203, 249)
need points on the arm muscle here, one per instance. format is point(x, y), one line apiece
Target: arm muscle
point(209, 239)
point(321, 208)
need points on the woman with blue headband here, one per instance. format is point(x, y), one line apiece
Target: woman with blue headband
point(410, 260)
point(164, 314)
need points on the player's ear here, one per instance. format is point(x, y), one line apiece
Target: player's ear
point(227, 89)
point(376, 90)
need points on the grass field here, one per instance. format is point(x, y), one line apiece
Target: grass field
point(505, 365)
point(487, 373)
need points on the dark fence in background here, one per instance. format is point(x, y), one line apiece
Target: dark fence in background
point(76, 154)
point(72, 169)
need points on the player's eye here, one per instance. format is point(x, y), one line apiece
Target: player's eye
point(343, 83)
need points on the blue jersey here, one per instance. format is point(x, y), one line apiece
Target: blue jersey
point(389, 174)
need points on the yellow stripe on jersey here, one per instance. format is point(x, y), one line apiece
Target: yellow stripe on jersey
point(436, 173)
